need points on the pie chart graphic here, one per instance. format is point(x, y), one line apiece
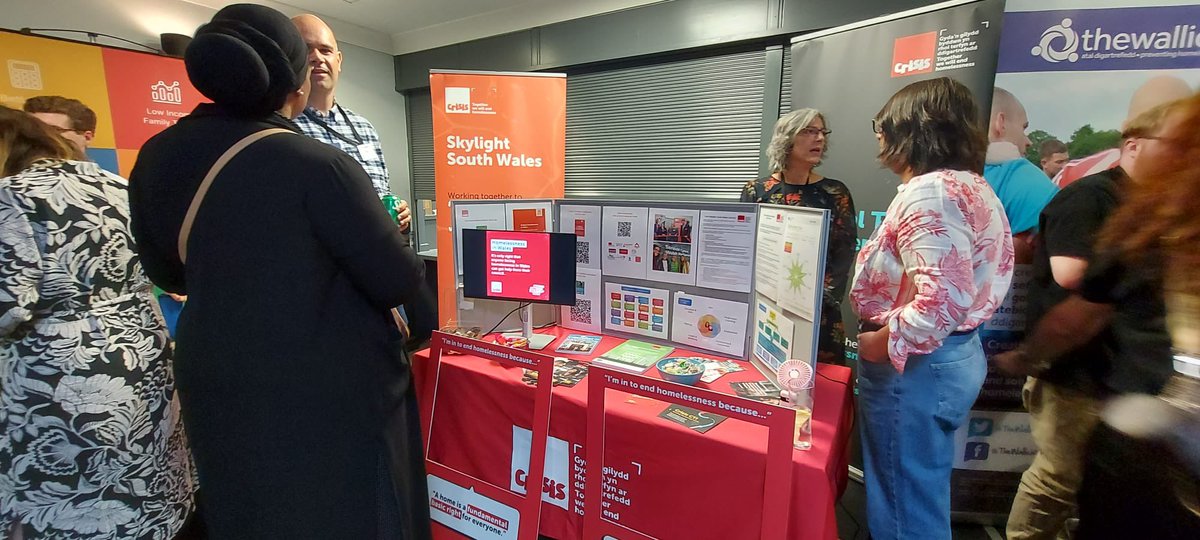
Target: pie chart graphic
point(709, 326)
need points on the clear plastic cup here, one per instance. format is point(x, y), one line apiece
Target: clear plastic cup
point(798, 394)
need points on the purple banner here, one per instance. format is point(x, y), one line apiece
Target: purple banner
point(1101, 39)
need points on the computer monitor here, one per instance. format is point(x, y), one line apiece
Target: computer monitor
point(536, 267)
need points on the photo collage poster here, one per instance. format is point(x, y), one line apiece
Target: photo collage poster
point(633, 260)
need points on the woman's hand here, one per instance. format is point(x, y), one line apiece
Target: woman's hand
point(873, 346)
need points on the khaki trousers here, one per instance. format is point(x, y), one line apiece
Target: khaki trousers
point(1062, 421)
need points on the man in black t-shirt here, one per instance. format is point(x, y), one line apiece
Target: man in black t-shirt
point(1074, 370)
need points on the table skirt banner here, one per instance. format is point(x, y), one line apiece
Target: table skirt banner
point(673, 482)
point(470, 505)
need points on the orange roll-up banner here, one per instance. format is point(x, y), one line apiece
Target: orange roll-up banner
point(496, 136)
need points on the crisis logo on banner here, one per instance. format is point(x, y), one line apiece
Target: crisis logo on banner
point(461, 100)
point(555, 488)
point(914, 55)
point(458, 100)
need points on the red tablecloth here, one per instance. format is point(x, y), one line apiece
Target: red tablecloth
point(691, 485)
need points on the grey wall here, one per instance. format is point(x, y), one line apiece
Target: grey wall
point(649, 30)
point(366, 88)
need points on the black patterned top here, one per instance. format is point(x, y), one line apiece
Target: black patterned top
point(91, 442)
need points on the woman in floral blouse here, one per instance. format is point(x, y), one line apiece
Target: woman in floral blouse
point(934, 271)
point(797, 146)
point(91, 444)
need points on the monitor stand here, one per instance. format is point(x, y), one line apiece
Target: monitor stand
point(537, 342)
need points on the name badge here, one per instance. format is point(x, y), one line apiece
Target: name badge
point(367, 151)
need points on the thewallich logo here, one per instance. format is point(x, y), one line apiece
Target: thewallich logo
point(1067, 51)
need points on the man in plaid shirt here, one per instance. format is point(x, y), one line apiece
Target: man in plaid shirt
point(327, 121)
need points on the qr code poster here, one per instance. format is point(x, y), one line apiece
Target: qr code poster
point(626, 242)
point(584, 223)
point(583, 315)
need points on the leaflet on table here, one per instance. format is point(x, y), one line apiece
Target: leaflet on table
point(638, 310)
point(673, 255)
point(626, 241)
point(756, 390)
point(633, 355)
point(768, 253)
point(584, 222)
point(476, 216)
point(529, 216)
point(725, 241)
point(567, 373)
point(715, 369)
point(773, 333)
point(695, 419)
point(586, 313)
point(798, 292)
point(710, 323)
point(578, 344)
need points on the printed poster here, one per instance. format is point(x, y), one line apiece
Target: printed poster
point(726, 250)
point(529, 217)
point(584, 223)
point(768, 253)
point(773, 335)
point(637, 310)
point(710, 323)
point(801, 286)
point(674, 251)
point(476, 216)
point(626, 242)
point(586, 313)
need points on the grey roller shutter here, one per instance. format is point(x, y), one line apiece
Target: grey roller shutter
point(681, 130)
point(420, 143)
point(785, 84)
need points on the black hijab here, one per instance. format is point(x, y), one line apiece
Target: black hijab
point(247, 59)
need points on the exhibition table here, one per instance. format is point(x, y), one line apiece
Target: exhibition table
point(668, 481)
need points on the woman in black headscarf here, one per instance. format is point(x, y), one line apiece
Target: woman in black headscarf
point(295, 395)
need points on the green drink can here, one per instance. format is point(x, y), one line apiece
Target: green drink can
point(390, 204)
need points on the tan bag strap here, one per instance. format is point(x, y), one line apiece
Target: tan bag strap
point(189, 219)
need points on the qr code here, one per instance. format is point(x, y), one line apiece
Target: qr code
point(625, 228)
point(581, 312)
point(581, 253)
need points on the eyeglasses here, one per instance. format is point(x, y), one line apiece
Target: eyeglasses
point(876, 125)
point(62, 130)
point(813, 132)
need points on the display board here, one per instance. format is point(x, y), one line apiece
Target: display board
point(135, 95)
point(638, 265)
point(738, 281)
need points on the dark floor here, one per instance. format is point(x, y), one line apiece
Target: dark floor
point(852, 519)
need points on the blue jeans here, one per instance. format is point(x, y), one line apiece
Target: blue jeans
point(908, 422)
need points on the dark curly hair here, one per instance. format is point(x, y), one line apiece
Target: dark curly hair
point(932, 125)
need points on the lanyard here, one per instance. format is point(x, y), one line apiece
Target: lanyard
point(356, 141)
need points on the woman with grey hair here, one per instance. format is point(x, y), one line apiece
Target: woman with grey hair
point(797, 146)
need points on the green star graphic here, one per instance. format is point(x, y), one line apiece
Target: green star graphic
point(796, 276)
